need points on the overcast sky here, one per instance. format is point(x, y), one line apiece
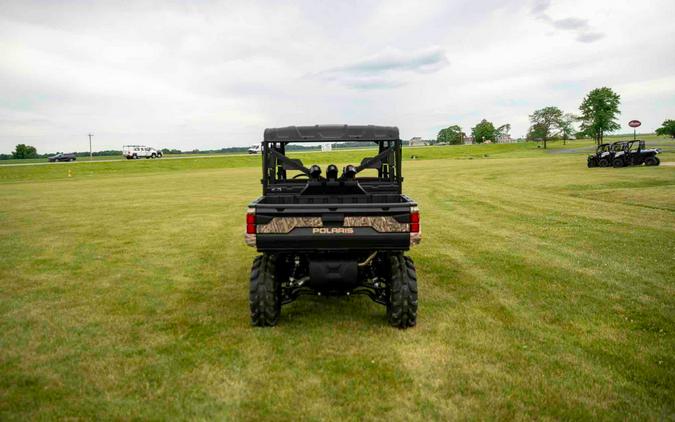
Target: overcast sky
point(212, 74)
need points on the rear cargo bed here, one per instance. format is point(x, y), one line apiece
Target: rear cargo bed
point(346, 223)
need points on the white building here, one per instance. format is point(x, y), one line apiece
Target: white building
point(505, 138)
point(417, 141)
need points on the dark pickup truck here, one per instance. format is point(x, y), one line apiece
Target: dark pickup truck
point(68, 156)
point(339, 233)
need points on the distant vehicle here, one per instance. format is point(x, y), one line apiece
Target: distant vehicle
point(601, 158)
point(138, 151)
point(634, 153)
point(604, 154)
point(254, 149)
point(69, 156)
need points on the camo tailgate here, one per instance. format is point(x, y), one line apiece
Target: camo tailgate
point(381, 224)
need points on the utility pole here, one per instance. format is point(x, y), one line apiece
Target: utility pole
point(90, 154)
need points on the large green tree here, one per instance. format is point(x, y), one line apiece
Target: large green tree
point(451, 134)
point(566, 126)
point(536, 132)
point(544, 122)
point(484, 131)
point(667, 128)
point(599, 113)
point(24, 151)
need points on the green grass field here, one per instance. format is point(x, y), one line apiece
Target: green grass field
point(547, 290)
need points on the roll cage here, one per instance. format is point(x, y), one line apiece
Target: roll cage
point(275, 163)
point(617, 146)
point(635, 146)
point(628, 146)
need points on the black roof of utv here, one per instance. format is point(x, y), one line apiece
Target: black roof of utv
point(331, 133)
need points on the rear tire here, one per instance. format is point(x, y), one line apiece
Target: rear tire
point(591, 164)
point(265, 292)
point(402, 303)
point(617, 163)
point(603, 163)
point(652, 161)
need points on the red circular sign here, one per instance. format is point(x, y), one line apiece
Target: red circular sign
point(634, 123)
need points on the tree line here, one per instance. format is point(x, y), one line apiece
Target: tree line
point(482, 132)
point(598, 115)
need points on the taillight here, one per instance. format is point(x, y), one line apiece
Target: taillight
point(415, 228)
point(249, 237)
point(414, 220)
point(250, 221)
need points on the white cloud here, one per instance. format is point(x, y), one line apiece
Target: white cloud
point(588, 37)
point(387, 69)
point(583, 29)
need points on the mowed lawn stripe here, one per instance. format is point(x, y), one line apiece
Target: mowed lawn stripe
point(522, 241)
